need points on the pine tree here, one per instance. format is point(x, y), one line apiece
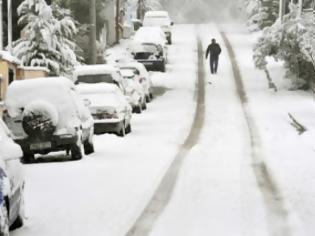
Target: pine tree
point(47, 39)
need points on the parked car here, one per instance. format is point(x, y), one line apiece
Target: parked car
point(143, 77)
point(11, 182)
point(162, 19)
point(92, 74)
point(151, 55)
point(46, 115)
point(134, 91)
point(109, 107)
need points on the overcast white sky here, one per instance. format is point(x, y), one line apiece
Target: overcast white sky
point(202, 10)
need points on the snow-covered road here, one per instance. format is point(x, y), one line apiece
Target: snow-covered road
point(104, 193)
point(218, 188)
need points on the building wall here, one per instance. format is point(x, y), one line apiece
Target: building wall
point(31, 74)
point(4, 71)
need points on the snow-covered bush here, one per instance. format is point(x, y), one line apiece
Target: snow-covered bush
point(47, 37)
point(293, 42)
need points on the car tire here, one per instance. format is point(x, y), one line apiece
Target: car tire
point(163, 68)
point(28, 157)
point(128, 129)
point(138, 109)
point(147, 98)
point(122, 132)
point(151, 96)
point(144, 105)
point(88, 147)
point(76, 151)
point(18, 223)
point(4, 229)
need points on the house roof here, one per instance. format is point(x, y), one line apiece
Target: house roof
point(7, 56)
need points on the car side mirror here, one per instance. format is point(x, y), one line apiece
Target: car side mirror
point(12, 151)
point(172, 23)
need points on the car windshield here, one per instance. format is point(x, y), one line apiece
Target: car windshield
point(98, 78)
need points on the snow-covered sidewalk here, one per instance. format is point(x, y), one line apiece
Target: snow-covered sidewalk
point(290, 157)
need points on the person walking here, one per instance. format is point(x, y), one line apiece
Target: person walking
point(214, 50)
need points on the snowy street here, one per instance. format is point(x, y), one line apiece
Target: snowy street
point(225, 180)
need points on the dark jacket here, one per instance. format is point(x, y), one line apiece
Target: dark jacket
point(214, 50)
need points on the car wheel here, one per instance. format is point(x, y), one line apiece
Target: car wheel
point(151, 96)
point(18, 223)
point(128, 129)
point(122, 132)
point(28, 157)
point(4, 223)
point(76, 151)
point(88, 147)
point(147, 98)
point(144, 105)
point(138, 109)
point(163, 69)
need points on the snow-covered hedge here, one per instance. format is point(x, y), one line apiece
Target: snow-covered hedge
point(291, 41)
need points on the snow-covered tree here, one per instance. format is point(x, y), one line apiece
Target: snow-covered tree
point(47, 38)
point(261, 13)
point(293, 42)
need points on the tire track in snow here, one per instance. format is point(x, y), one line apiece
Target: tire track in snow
point(275, 208)
point(144, 224)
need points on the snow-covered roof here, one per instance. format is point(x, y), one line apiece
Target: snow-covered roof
point(34, 68)
point(7, 56)
point(97, 88)
point(94, 70)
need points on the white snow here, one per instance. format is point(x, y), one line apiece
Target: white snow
point(105, 192)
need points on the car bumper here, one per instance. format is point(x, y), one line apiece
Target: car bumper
point(108, 127)
point(55, 143)
point(152, 65)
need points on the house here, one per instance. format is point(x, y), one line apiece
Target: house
point(11, 69)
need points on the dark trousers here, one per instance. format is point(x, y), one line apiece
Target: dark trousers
point(214, 63)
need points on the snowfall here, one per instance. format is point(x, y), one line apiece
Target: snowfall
point(218, 190)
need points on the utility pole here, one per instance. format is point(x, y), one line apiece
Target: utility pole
point(117, 21)
point(9, 26)
point(281, 9)
point(300, 7)
point(1, 27)
point(93, 32)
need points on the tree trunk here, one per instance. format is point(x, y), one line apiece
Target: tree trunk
point(93, 32)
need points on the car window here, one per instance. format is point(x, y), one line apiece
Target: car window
point(99, 78)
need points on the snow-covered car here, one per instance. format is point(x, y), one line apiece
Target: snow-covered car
point(153, 56)
point(93, 74)
point(11, 182)
point(109, 107)
point(47, 115)
point(143, 77)
point(134, 91)
point(150, 34)
point(162, 19)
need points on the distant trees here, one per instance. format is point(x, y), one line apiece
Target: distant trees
point(47, 37)
point(261, 13)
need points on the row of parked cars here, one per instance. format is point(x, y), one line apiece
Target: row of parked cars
point(60, 114)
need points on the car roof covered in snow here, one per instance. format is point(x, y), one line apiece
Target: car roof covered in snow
point(150, 34)
point(94, 70)
point(55, 90)
point(97, 88)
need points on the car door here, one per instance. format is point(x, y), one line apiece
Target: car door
point(13, 169)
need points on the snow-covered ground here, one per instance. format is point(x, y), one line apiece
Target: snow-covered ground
point(105, 192)
point(217, 192)
point(289, 156)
